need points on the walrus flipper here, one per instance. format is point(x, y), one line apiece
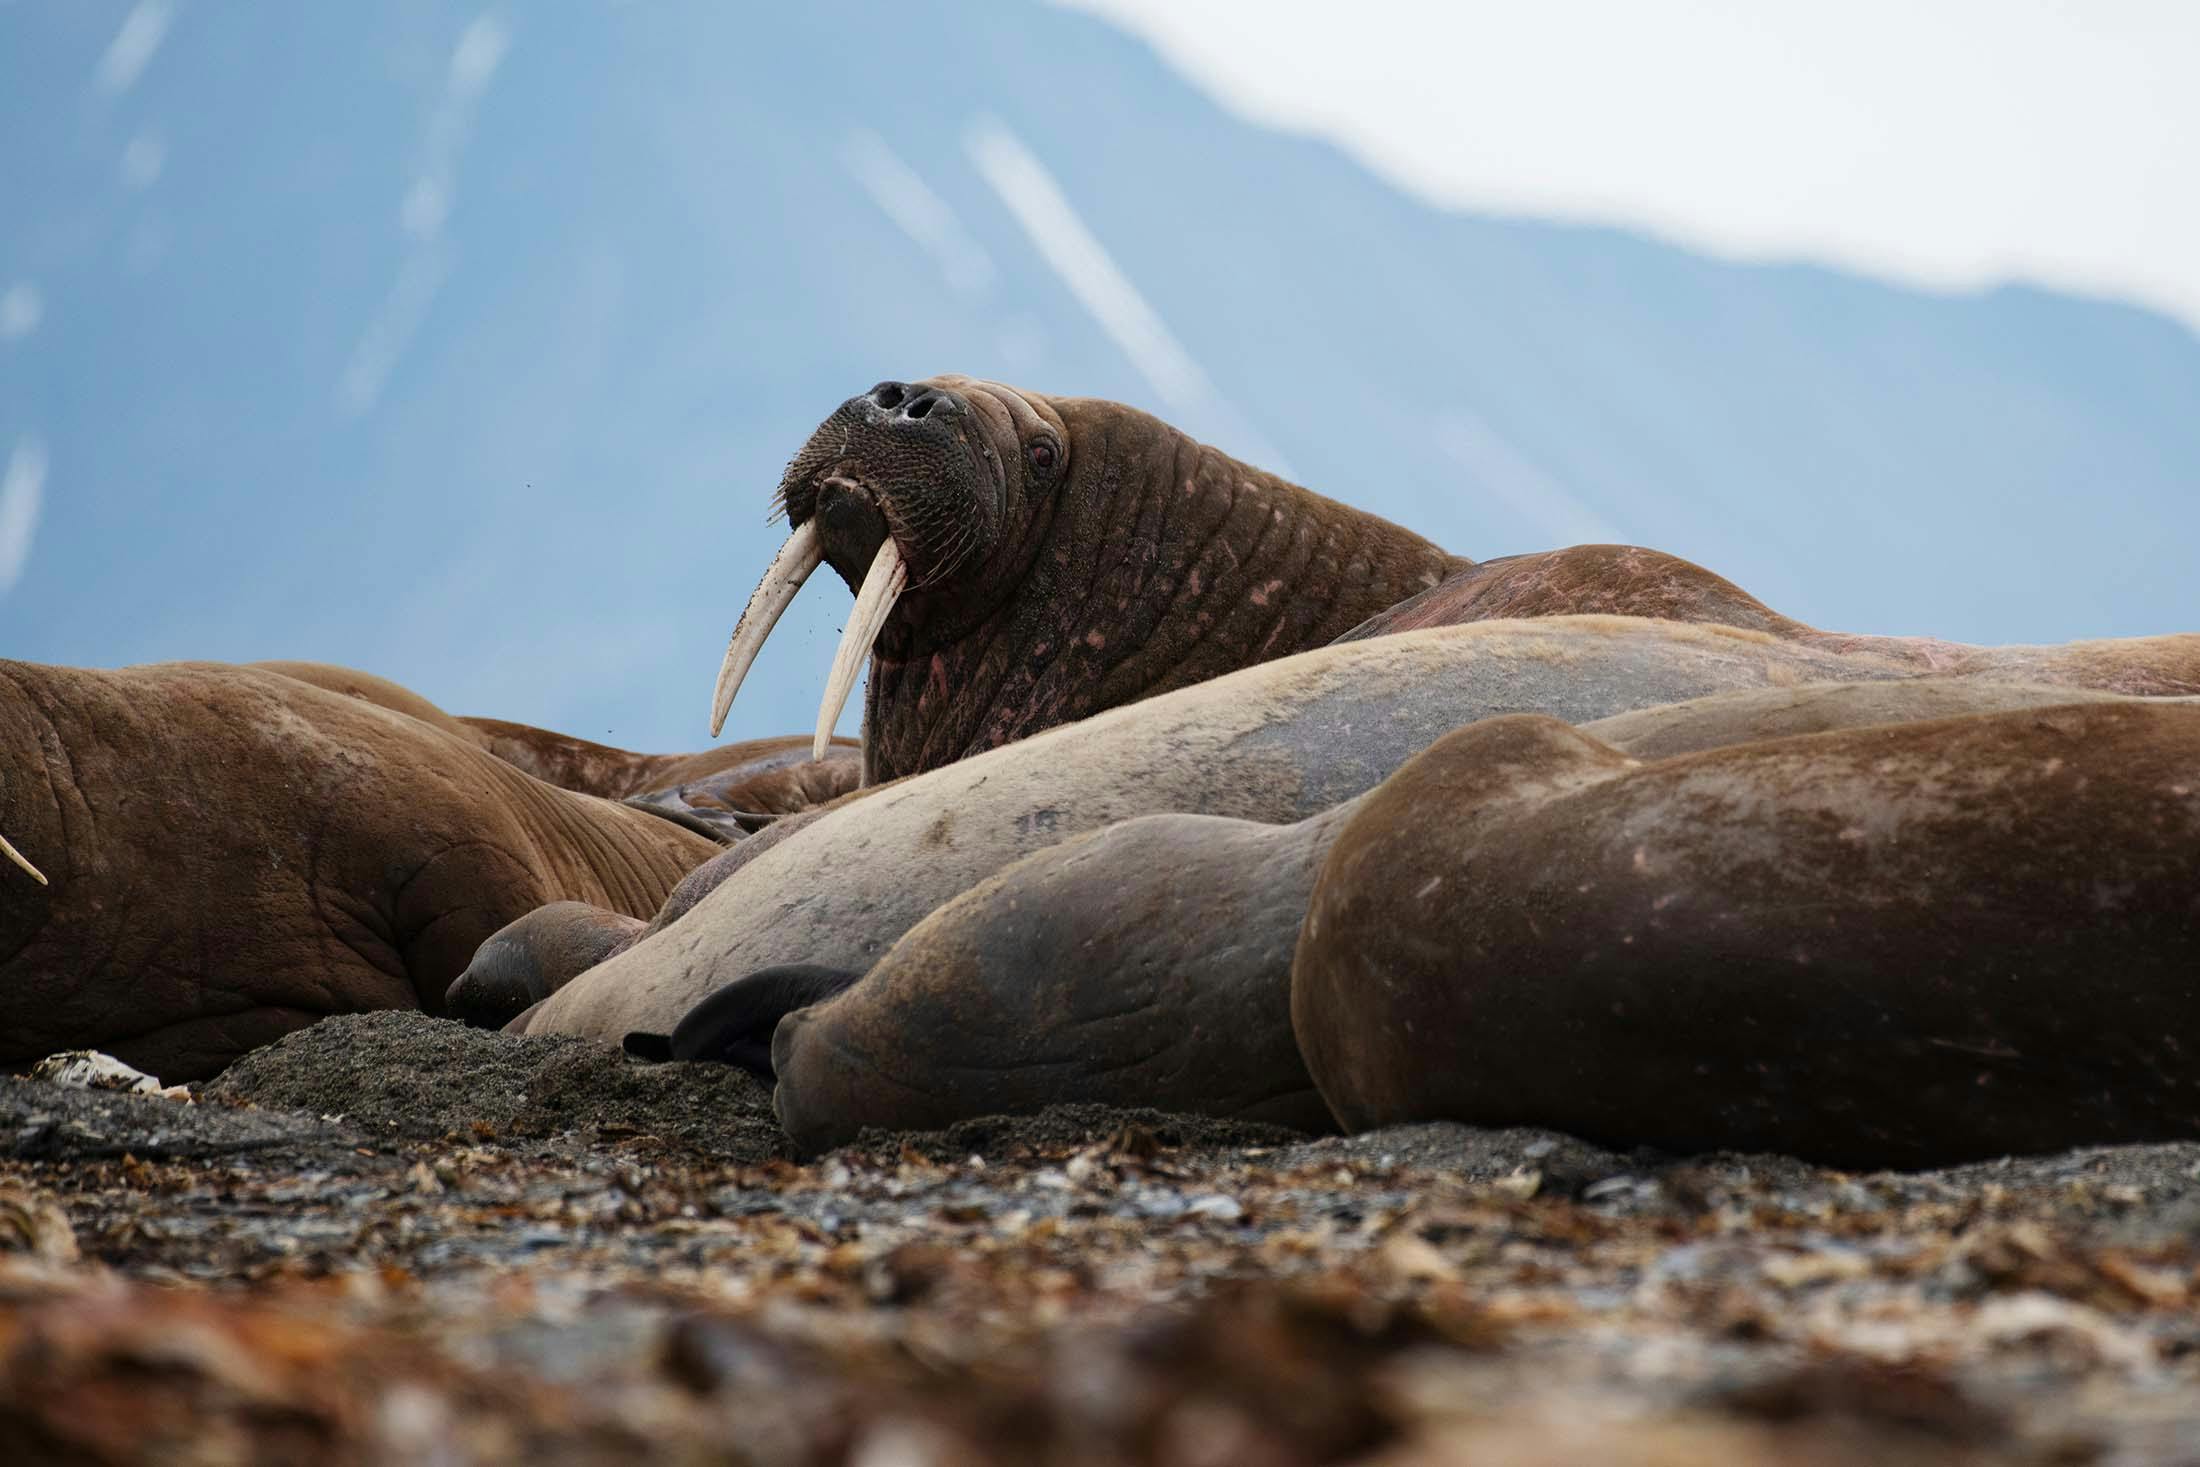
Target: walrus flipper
point(734, 1025)
point(724, 826)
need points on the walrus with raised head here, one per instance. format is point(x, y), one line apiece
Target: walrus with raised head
point(943, 688)
point(1021, 561)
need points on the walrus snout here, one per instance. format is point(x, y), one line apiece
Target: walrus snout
point(901, 484)
point(527, 960)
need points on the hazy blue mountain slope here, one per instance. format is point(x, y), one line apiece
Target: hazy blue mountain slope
point(514, 447)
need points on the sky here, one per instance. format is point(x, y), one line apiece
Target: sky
point(462, 345)
point(1941, 143)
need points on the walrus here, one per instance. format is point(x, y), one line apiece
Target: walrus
point(722, 792)
point(1897, 946)
point(233, 853)
point(1149, 962)
point(1021, 560)
point(526, 961)
point(1629, 580)
point(1277, 742)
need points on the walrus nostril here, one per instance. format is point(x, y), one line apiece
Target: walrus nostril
point(934, 402)
point(888, 395)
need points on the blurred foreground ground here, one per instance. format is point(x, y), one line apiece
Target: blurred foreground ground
point(422, 1244)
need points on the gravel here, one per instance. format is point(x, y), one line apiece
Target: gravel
point(391, 1239)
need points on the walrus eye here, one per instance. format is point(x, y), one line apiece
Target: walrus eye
point(1042, 455)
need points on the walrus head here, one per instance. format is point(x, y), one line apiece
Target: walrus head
point(1021, 560)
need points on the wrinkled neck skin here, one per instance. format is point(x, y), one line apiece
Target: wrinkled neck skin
point(1166, 564)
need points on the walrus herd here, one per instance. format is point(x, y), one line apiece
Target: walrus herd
point(1181, 785)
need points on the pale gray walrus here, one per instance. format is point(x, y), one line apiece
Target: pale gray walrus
point(1149, 962)
point(1276, 743)
point(226, 853)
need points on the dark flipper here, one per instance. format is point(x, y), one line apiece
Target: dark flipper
point(734, 1025)
point(722, 825)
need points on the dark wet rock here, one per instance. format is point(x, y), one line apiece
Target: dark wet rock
point(397, 1074)
point(43, 1121)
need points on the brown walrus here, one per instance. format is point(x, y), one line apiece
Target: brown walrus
point(1628, 580)
point(1021, 561)
point(233, 853)
point(1893, 946)
point(710, 790)
point(1149, 963)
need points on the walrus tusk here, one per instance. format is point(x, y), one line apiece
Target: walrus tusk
point(882, 585)
point(23, 861)
point(773, 595)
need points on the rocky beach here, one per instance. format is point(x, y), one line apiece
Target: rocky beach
point(387, 1238)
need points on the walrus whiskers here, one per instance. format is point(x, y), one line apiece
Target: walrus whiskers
point(882, 585)
point(23, 861)
point(773, 595)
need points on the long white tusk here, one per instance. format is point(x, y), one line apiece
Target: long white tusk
point(23, 861)
point(882, 585)
point(774, 594)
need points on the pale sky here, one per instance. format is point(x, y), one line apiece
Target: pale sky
point(1948, 143)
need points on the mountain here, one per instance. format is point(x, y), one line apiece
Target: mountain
point(468, 348)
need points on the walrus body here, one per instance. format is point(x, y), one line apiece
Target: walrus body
point(1149, 962)
point(710, 790)
point(1892, 946)
point(1275, 743)
point(769, 776)
point(1628, 580)
point(525, 962)
point(234, 852)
